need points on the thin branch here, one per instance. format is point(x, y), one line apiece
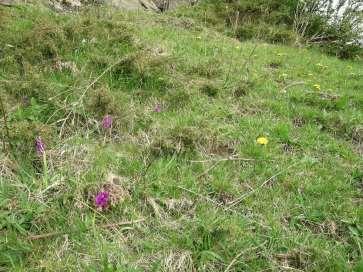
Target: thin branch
point(240, 254)
point(244, 196)
point(209, 169)
point(99, 77)
point(293, 84)
point(105, 226)
point(218, 205)
point(224, 159)
point(197, 194)
point(113, 225)
point(217, 161)
point(44, 236)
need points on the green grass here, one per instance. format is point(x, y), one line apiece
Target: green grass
point(210, 196)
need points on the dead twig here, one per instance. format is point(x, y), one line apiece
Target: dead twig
point(240, 254)
point(223, 159)
point(113, 225)
point(293, 84)
point(200, 195)
point(209, 169)
point(105, 226)
point(218, 205)
point(217, 161)
point(98, 78)
point(244, 196)
point(44, 236)
point(327, 96)
point(155, 207)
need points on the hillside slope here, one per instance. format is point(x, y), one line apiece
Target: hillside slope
point(221, 156)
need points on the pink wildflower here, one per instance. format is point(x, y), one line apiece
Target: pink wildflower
point(107, 122)
point(39, 145)
point(157, 108)
point(102, 200)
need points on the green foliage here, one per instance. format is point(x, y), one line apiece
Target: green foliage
point(334, 27)
point(337, 30)
point(265, 32)
point(265, 20)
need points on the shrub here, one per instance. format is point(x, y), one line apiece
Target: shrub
point(336, 28)
point(257, 19)
point(265, 32)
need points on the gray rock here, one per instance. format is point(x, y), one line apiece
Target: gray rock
point(63, 5)
point(133, 4)
point(153, 5)
point(164, 5)
point(6, 2)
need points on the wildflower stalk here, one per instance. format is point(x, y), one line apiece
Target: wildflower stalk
point(107, 124)
point(41, 151)
point(45, 169)
point(7, 131)
point(108, 134)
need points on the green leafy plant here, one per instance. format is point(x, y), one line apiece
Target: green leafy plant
point(33, 112)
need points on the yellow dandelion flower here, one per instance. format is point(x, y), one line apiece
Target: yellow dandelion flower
point(262, 140)
point(317, 87)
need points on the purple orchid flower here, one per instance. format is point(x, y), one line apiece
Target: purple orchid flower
point(157, 108)
point(102, 199)
point(39, 145)
point(107, 122)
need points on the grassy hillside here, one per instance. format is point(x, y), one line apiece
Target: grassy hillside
point(191, 187)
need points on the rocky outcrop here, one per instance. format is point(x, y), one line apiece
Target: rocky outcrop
point(133, 4)
point(164, 5)
point(155, 5)
point(6, 2)
point(152, 5)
